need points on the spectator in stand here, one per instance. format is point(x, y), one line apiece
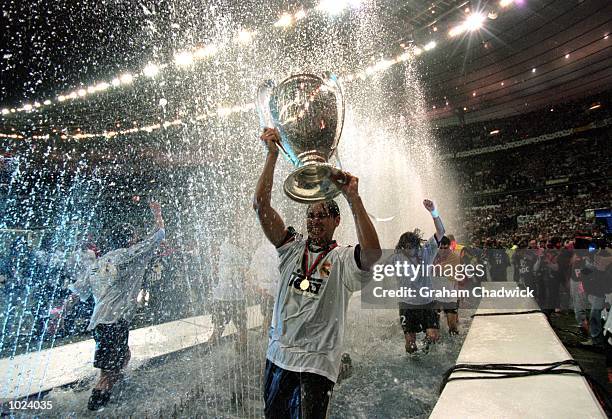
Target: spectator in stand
point(524, 260)
point(498, 262)
point(580, 301)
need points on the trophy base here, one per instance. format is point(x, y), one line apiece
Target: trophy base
point(311, 183)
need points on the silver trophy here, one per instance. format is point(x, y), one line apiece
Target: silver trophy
point(308, 112)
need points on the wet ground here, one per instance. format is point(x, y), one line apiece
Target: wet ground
point(199, 382)
point(591, 359)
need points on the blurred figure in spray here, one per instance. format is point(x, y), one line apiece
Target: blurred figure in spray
point(229, 304)
point(228, 293)
point(417, 314)
point(264, 270)
point(114, 280)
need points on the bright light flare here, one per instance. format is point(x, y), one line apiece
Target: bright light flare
point(184, 58)
point(284, 21)
point(102, 86)
point(472, 23)
point(150, 70)
point(205, 52)
point(126, 78)
point(505, 3)
point(244, 36)
point(429, 46)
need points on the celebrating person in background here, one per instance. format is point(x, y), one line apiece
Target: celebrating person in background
point(448, 259)
point(266, 276)
point(417, 314)
point(317, 279)
point(114, 280)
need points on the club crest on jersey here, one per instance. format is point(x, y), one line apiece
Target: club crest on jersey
point(325, 269)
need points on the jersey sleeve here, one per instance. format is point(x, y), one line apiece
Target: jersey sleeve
point(431, 249)
point(351, 274)
point(82, 286)
point(291, 242)
point(144, 247)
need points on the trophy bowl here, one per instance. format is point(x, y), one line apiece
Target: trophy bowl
point(308, 112)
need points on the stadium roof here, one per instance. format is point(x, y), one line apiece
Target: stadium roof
point(528, 54)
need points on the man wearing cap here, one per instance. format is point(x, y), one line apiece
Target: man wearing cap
point(317, 279)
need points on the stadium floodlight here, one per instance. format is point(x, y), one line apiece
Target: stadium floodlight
point(244, 36)
point(102, 86)
point(126, 78)
point(429, 46)
point(205, 52)
point(183, 58)
point(284, 21)
point(472, 23)
point(47, 102)
point(151, 70)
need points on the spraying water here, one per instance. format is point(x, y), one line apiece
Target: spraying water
point(203, 169)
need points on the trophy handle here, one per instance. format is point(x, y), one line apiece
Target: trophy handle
point(264, 94)
point(331, 78)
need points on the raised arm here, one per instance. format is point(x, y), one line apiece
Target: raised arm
point(157, 214)
point(429, 205)
point(271, 223)
point(366, 233)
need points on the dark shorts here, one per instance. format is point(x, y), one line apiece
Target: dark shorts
point(295, 395)
point(419, 318)
point(225, 311)
point(111, 345)
point(448, 307)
